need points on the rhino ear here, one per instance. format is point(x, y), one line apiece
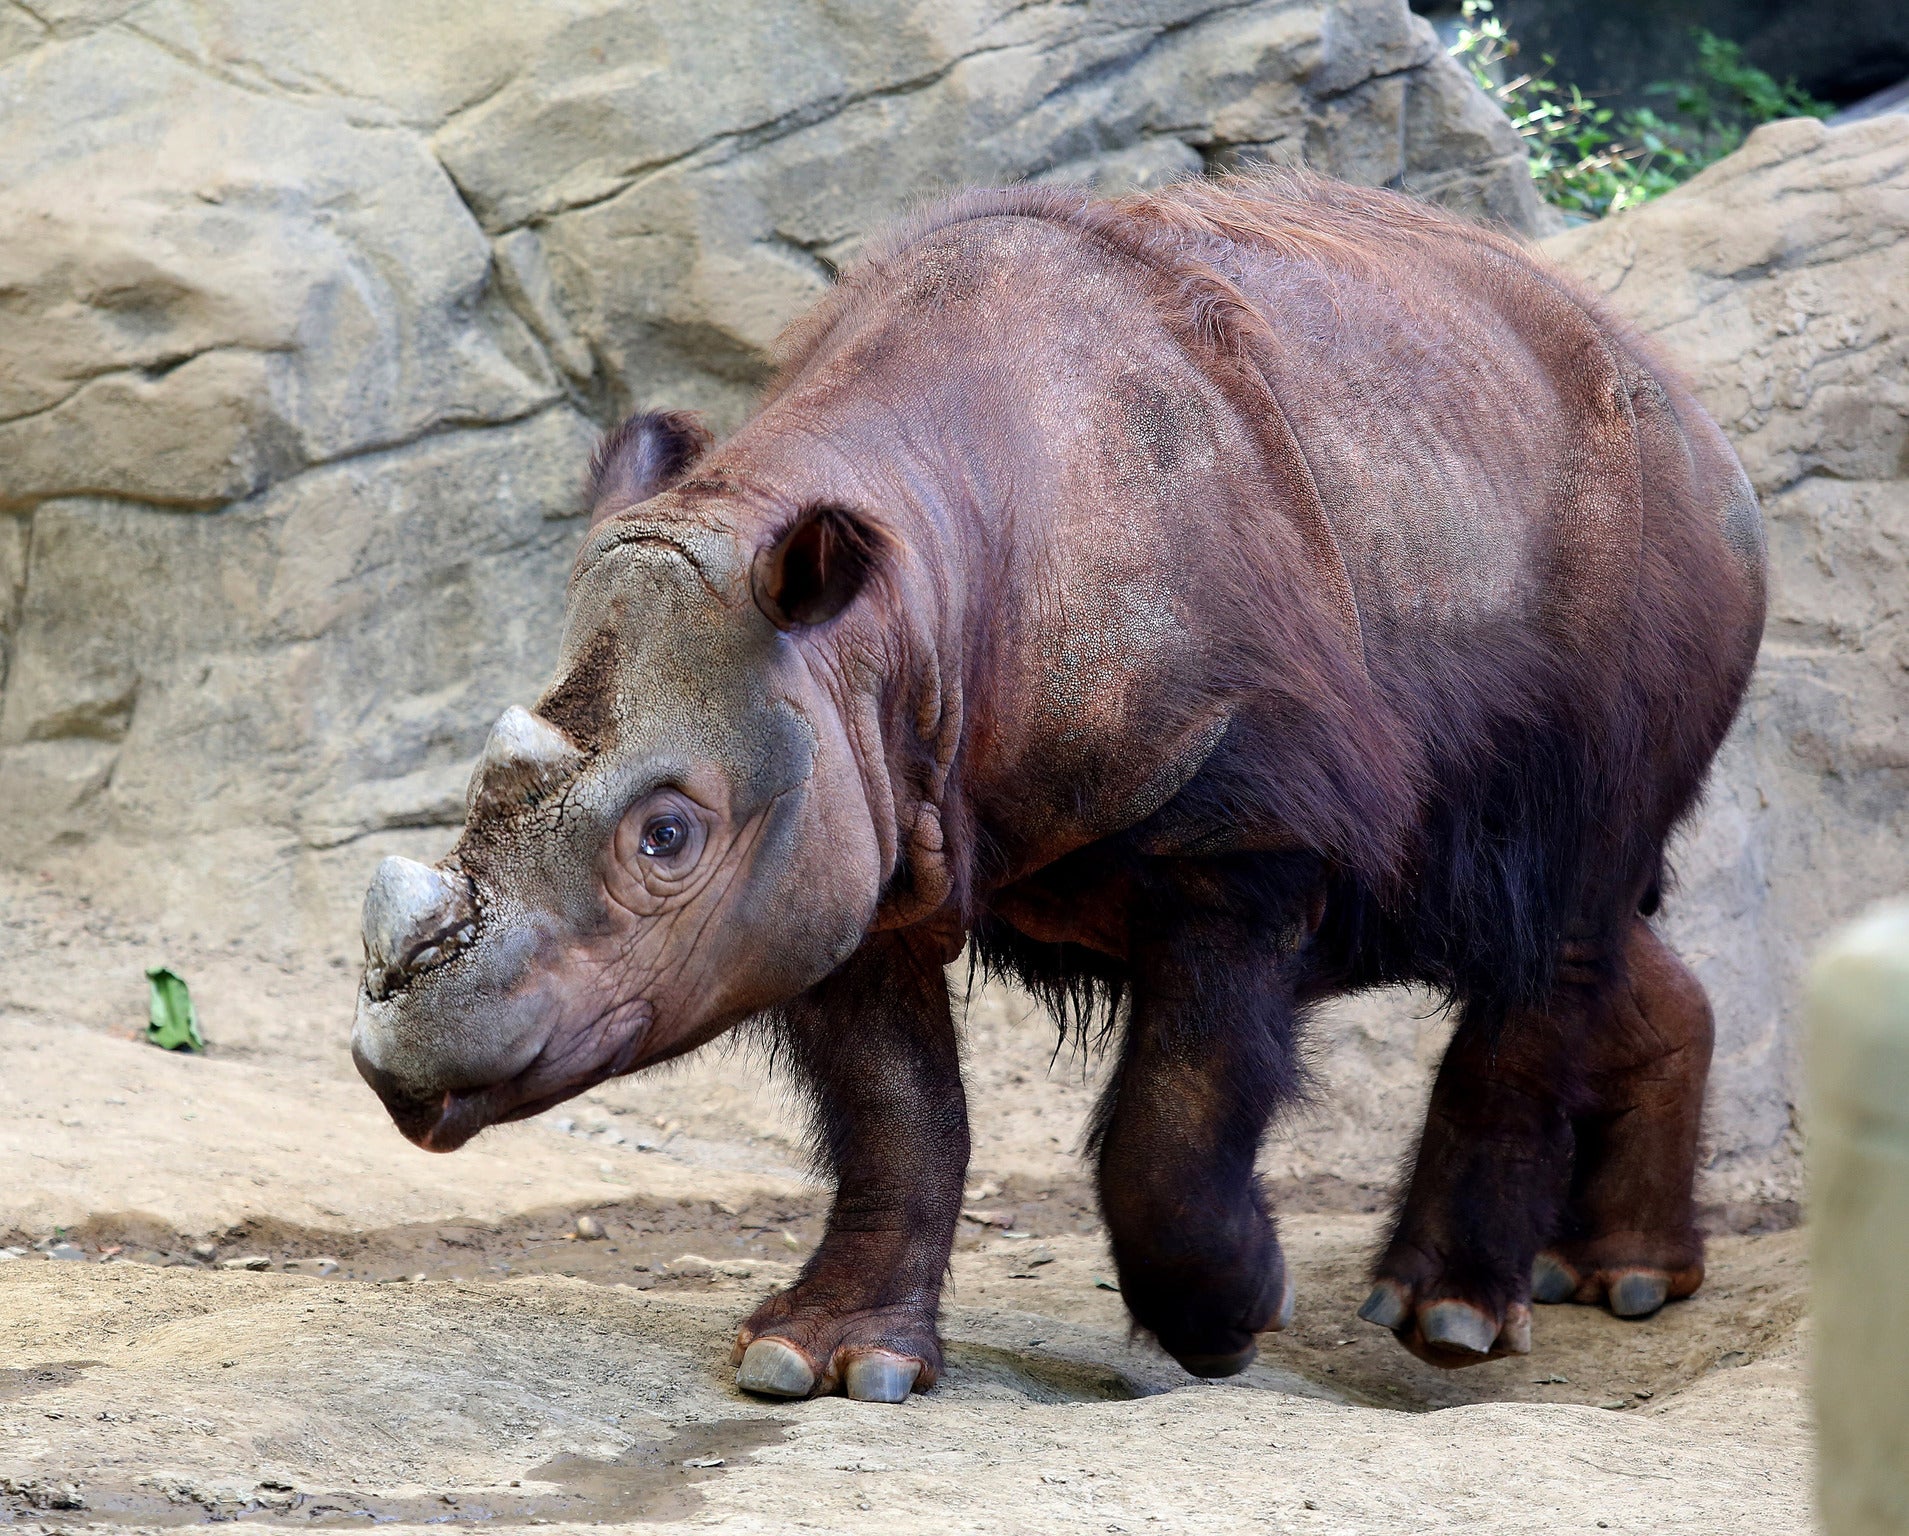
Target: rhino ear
point(645, 455)
point(812, 570)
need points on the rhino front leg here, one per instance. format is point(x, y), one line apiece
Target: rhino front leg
point(1207, 1059)
point(875, 1045)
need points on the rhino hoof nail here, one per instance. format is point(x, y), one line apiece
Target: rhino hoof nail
point(880, 1378)
point(1551, 1281)
point(1457, 1325)
point(775, 1369)
point(1638, 1293)
point(1385, 1306)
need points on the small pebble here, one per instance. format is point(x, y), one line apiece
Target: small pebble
point(704, 1461)
point(249, 1261)
point(65, 1251)
point(589, 1228)
point(204, 1252)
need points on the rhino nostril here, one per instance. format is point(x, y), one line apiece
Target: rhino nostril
point(435, 951)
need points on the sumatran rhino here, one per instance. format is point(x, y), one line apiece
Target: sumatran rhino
point(1201, 604)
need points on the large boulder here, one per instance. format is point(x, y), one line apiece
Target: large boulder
point(308, 318)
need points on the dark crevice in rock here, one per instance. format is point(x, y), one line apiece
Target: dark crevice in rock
point(743, 140)
point(158, 368)
point(805, 253)
point(271, 92)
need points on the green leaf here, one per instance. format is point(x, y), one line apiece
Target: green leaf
point(172, 1021)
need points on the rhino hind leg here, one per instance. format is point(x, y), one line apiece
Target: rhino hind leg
point(875, 1046)
point(1206, 1059)
point(1628, 1238)
point(1453, 1283)
point(1556, 1163)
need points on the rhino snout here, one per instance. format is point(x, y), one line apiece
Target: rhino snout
point(415, 1112)
point(415, 918)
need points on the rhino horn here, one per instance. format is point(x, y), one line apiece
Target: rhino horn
point(525, 757)
point(415, 918)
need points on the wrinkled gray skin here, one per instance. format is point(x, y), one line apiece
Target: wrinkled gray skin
point(550, 950)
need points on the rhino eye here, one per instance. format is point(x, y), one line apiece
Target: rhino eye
point(664, 835)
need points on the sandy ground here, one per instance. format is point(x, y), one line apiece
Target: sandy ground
point(428, 1340)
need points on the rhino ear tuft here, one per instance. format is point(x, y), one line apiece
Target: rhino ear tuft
point(644, 456)
point(813, 569)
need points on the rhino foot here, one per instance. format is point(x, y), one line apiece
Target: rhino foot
point(1633, 1278)
point(791, 1350)
point(1446, 1330)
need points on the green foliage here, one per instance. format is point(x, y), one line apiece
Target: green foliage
point(173, 1022)
point(1590, 160)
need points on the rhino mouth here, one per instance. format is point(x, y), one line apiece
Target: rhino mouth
point(564, 1066)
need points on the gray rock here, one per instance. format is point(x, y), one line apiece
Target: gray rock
point(295, 288)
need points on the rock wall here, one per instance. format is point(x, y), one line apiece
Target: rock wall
point(308, 319)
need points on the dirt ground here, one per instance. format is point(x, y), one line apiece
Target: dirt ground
point(241, 1296)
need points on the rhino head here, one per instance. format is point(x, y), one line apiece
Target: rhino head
point(675, 838)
